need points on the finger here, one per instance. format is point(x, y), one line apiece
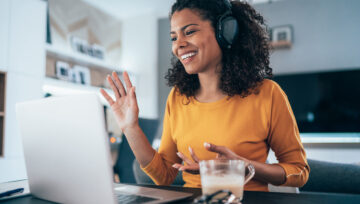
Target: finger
point(190, 169)
point(220, 156)
point(215, 148)
point(119, 84)
point(107, 97)
point(133, 96)
point(193, 169)
point(113, 87)
point(177, 166)
point(184, 158)
point(127, 81)
point(193, 155)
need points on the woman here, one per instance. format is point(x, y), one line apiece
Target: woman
point(221, 105)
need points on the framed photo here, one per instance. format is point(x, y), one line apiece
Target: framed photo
point(63, 71)
point(82, 75)
point(98, 51)
point(82, 46)
point(79, 45)
point(75, 43)
point(281, 36)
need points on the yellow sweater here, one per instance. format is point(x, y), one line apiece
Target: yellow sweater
point(248, 126)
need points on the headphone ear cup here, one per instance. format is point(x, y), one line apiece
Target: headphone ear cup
point(227, 31)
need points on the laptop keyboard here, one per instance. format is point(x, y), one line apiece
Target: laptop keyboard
point(127, 198)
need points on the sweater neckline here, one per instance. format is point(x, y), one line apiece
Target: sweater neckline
point(213, 104)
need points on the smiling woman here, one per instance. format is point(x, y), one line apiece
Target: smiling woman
point(221, 105)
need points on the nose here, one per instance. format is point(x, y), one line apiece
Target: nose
point(180, 43)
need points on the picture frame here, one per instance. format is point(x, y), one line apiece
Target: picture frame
point(98, 51)
point(82, 46)
point(281, 36)
point(79, 45)
point(82, 75)
point(63, 71)
point(75, 43)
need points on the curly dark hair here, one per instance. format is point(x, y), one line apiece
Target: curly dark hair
point(244, 66)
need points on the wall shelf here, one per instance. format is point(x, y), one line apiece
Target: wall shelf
point(281, 44)
point(78, 58)
point(58, 87)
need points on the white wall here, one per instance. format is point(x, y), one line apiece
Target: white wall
point(139, 55)
point(26, 68)
point(4, 35)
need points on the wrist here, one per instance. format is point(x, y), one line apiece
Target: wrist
point(247, 162)
point(130, 128)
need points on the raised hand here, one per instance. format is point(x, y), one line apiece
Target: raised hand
point(192, 166)
point(125, 105)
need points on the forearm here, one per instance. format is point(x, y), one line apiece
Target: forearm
point(269, 173)
point(140, 145)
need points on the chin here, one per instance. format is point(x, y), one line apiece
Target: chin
point(191, 69)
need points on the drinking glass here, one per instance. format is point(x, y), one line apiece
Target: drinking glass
point(227, 175)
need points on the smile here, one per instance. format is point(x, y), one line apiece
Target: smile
point(188, 55)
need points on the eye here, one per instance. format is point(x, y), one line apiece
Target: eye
point(190, 32)
point(173, 38)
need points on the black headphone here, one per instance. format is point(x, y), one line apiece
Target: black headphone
point(227, 28)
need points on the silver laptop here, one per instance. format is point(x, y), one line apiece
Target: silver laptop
point(67, 154)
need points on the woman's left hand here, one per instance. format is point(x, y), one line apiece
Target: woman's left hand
point(192, 166)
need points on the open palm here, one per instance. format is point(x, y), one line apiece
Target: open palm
point(192, 166)
point(125, 106)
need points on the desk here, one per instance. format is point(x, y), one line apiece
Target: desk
point(250, 197)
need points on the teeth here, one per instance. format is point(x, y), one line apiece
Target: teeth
point(188, 55)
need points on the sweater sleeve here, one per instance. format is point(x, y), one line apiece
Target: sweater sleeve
point(160, 168)
point(284, 140)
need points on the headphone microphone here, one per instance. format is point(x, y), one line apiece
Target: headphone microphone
point(227, 28)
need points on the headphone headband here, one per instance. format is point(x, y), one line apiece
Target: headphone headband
point(228, 4)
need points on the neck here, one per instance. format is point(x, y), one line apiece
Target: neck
point(209, 90)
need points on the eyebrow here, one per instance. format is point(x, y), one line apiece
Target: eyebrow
point(183, 28)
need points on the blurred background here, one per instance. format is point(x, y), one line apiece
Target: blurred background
point(61, 47)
